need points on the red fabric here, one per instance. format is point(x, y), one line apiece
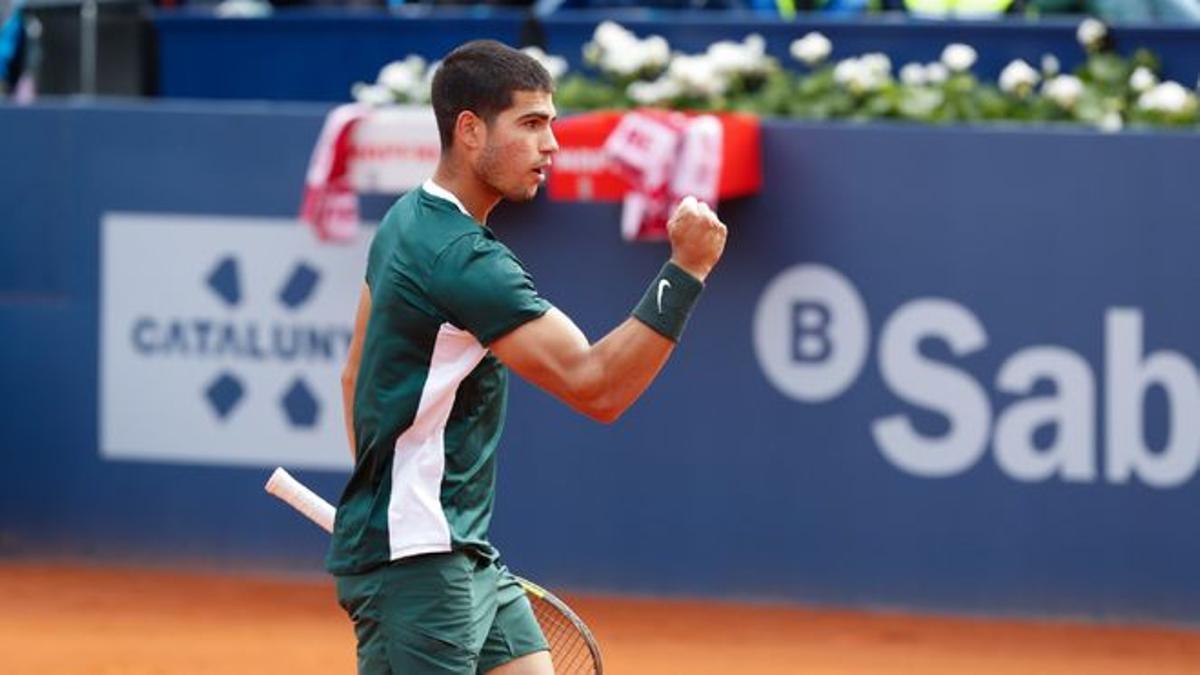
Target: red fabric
point(330, 203)
point(664, 157)
point(643, 148)
point(651, 159)
point(581, 171)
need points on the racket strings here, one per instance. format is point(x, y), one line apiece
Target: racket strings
point(568, 648)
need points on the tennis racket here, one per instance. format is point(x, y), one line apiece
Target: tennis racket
point(573, 649)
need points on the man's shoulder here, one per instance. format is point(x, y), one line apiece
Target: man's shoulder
point(424, 224)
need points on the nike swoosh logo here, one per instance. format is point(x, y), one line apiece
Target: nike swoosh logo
point(663, 284)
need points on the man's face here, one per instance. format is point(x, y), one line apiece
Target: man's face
point(519, 147)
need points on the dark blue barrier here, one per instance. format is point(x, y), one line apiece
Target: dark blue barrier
point(303, 55)
point(756, 466)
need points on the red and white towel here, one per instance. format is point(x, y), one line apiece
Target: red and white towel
point(330, 202)
point(664, 156)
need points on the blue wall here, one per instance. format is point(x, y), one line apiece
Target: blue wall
point(307, 55)
point(716, 483)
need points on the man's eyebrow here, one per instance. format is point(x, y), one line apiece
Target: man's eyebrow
point(536, 114)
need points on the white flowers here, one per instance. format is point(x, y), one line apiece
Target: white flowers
point(696, 75)
point(1170, 98)
point(959, 57)
point(555, 65)
point(1111, 123)
point(867, 73)
point(1064, 90)
point(406, 81)
point(917, 75)
point(403, 77)
point(1142, 79)
point(1018, 78)
point(812, 49)
point(1050, 65)
point(706, 75)
point(1091, 33)
point(372, 94)
point(936, 73)
point(877, 62)
point(913, 75)
point(654, 93)
point(616, 50)
point(740, 75)
point(740, 58)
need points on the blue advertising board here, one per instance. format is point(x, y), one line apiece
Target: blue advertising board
point(941, 369)
point(316, 55)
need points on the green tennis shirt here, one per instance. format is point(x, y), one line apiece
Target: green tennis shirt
point(430, 400)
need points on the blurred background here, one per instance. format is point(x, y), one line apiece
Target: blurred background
point(946, 368)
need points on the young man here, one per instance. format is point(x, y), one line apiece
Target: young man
point(444, 309)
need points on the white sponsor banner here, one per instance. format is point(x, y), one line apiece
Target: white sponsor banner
point(394, 149)
point(222, 340)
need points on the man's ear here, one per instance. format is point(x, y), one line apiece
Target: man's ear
point(470, 130)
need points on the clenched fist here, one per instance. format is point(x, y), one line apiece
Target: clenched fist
point(697, 237)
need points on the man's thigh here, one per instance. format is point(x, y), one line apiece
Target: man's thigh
point(515, 644)
point(537, 663)
point(428, 614)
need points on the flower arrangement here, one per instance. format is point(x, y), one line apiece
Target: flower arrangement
point(406, 81)
point(410, 80)
point(1107, 91)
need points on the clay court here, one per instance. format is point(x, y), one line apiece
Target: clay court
point(71, 620)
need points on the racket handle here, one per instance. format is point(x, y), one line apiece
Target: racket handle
point(282, 485)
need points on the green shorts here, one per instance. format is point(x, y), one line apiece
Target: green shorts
point(442, 613)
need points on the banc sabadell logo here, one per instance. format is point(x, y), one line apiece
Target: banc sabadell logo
point(812, 338)
point(246, 340)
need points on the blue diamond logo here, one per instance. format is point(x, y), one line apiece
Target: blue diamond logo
point(300, 405)
point(224, 394)
point(223, 281)
point(299, 286)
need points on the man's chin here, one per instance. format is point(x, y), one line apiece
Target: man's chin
point(527, 195)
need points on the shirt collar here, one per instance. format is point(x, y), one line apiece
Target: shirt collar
point(442, 193)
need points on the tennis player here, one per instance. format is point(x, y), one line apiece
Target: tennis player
point(445, 308)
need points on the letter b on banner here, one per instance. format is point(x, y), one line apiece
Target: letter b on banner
point(811, 333)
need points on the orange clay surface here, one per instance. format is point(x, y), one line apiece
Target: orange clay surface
point(67, 620)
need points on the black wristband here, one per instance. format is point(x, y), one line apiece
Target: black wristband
point(669, 301)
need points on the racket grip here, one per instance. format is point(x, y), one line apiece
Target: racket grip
point(282, 485)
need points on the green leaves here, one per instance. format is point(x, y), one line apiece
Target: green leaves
point(576, 92)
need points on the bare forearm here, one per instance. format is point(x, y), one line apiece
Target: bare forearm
point(604, 379)
point(625, 362)
point(631, 356)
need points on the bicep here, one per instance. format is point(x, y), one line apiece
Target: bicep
point(549, 351)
